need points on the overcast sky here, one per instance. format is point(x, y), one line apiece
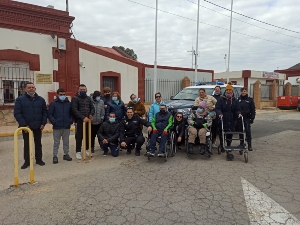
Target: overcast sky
point(131, 23)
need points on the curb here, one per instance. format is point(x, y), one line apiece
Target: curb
point(9, 134)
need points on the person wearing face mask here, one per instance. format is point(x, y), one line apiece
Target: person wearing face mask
point(83, 110)
point(229, 110)
point(215, 129)
point(60, 115)
point(137, 105)
point(98, 116)
point(198, 122)
point(131, 132)
point(161, 123)
point(108, 135)
point(30, 111)
point(117, 106)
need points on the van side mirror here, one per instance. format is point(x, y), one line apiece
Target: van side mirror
point(171, 98)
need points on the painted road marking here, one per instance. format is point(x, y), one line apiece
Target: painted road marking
point(263, 210)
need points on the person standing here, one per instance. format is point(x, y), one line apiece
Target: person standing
point(203, 96)
point(248, 112)
point(214, 128)
point(106, 98)
point(137, 105)
point(155, 107)
point(30, 111)
point(60, 115)
point(83, 110)
point(98, 116)
point(117, 106)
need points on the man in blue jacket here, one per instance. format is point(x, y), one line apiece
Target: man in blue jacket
point(60, 115)
point(30, 111)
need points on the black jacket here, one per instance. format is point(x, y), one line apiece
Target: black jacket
point(82, 107)
point(109, 131)
point(247, 106)
point(217, 97)
point(179, 128)
point(132, 128)
point(230, 109)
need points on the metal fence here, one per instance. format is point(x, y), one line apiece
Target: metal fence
point(295, 90)
point(167, 88)
point(265, 91)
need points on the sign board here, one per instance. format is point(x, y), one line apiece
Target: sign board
point(272, 75)
point(43, 78)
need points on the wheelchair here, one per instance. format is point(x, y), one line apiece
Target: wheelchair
point(208, 143)
point(170, 146)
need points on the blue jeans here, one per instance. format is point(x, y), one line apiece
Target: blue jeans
point(113, 148)
point(162, 144)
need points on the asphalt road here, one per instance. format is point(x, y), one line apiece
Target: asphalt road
point(133, 190)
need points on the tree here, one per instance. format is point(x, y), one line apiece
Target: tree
point(129, 52)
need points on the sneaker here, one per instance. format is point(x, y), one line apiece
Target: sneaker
point(137, 152)
point(161, 154)
point(104, 153)
point(214, 145)
point(67, 157)
point(93, 150)
point(41, 163)
point(25, 165)
point(78, 155)
point(150, 154)
point(55, 160)
point(87, 153)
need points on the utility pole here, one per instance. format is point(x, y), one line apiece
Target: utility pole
point(67, 5)
point(229, 42)
point(193, 53)
point(155, 60)
point(196, 54)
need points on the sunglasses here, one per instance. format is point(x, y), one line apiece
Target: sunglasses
point(129, 107)
point(179, 116)
point(157, 96)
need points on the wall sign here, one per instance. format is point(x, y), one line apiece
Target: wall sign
point(43, 78)
point(270, 75)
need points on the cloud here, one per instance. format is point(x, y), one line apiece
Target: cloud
point(120, 22)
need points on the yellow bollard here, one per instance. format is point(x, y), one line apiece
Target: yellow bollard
point(16, 158)
point(84, 140)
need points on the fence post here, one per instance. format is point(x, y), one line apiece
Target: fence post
point(288, 89)
point(84, 140)
point(185, 82)
point(274, 90)
point(257, 94)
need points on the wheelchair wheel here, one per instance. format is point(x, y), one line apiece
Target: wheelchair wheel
point(167, 150)
point(172, 144)
point(246, 157)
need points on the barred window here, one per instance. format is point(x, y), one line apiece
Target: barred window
point(13, 78)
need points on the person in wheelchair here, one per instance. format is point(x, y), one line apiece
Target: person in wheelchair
point(131, 132)
point(178, 127)
point(161, 123)
point(199, 121)
point(108, 135)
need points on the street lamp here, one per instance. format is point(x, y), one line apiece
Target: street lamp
point(196, 54)
point(155, 60)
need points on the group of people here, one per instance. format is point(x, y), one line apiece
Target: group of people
point(117, 126)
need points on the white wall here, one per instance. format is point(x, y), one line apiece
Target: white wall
point(33, 43)
point(176, 74)
point(232, 74)
point(293, 80)
point(95, 64)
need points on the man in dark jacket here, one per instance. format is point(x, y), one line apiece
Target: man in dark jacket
point(248, 112)
point(108, 135)
point(60, 115)
point(83, 111)
point(228, 108)
point(214, 128)
point(30, 111)
point(131, 132)
point(161, 123)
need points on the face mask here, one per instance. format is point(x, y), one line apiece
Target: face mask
point(162, 111)
point(62, 98)
point(112, 120)
point(212, 114)
point(82, 93)
point(114, 98)
point(107, 95)
point(135, 100)
point(200, 111)
point(98, 99)
point(229, 95)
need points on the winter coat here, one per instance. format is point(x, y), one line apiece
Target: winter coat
point(217, 97)
point(154, 108)
point(200, 120)
point(60, 114)
point(99, 112)
point(139, 107)
point(109, 131)
point(30, 111)
point(131, 127)
point(247, 106)
point(118, 109)
point(230, 110)
point(209, 99)
point(82, 107)
point(162, 122)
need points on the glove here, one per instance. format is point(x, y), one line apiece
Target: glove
point(251, 121)
point(154, 131)
point(165, 132)
point(205, 125)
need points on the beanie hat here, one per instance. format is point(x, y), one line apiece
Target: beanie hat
point(203, 104)
point(229, 87)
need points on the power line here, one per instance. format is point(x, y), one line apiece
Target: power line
point(213, 25)
point(253, 18)
point(243, 21)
